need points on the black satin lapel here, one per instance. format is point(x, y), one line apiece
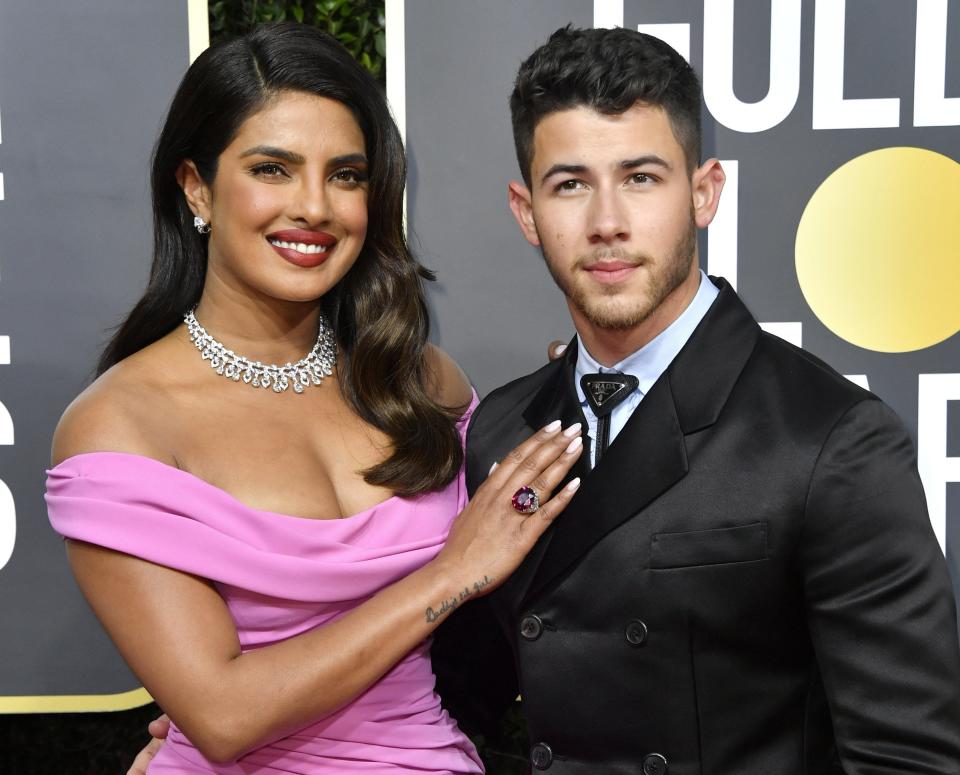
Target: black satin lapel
point(709, 365)
point(647, 457)
point(557, 400)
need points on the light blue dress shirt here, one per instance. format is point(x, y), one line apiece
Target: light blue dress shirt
point(646, 364)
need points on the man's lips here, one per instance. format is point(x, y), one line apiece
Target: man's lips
point(302, 247)
point(609, 272)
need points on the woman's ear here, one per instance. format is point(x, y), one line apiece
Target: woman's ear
point(194, 188)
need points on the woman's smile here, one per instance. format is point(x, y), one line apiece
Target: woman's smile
point(302, 247)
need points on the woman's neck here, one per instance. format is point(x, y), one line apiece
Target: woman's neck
point(267, 330)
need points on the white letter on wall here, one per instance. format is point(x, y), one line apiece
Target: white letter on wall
point(830, 109)
point(936, 468)
point(6, 421)
point(8, 510)
point(8, 524)
point(930, 106)
point(859, 379)
point(677, 36)
point(791, 332)
point(722, 233)
point(718, 67)
point(607, 13)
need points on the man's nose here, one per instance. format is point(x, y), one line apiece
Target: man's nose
point(608, 218)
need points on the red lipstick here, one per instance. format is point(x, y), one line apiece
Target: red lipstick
point(302, 247)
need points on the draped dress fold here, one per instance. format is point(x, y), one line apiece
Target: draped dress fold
point(281, 576)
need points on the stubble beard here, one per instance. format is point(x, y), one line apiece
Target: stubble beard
point(612, 310)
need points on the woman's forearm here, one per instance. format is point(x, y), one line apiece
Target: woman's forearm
point(268, 691)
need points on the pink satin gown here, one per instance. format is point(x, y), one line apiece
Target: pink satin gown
point(281, 576)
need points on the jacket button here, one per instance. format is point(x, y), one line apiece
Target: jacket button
point(531, 627)
point(655, 764)
point(636, 633)
point(541, 756)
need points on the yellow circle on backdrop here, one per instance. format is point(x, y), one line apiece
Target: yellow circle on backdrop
point(878, 250)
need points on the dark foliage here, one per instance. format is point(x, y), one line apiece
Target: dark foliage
point(73, 743)
point(357, 24)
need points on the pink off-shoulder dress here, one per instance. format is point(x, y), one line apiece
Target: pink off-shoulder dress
point(281, 576)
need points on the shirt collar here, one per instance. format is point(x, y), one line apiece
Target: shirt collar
point(651, 360)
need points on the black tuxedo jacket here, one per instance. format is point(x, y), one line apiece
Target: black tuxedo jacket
point(747, 584)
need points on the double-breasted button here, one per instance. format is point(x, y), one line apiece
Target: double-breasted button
point(531, 627)
point(636, 634)
point(655, 764)
point(541, 756)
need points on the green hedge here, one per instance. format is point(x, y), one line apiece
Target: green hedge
point(357, 24)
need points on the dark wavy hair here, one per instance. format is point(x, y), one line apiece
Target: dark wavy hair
point(608, 70)
point(377, 310)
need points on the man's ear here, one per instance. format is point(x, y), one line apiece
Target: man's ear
point(706, 184)
point(194, 188)
point(521, 205)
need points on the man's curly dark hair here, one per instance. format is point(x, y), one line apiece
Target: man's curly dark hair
point(609, 70)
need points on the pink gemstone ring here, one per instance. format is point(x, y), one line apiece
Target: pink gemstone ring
point(525, 500)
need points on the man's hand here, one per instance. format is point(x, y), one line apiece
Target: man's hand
point(158, 729)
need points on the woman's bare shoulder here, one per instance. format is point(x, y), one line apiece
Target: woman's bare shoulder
point(447, 383)
point(121, 411)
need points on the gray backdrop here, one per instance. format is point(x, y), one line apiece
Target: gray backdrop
point(83, 89)
point(80, 104)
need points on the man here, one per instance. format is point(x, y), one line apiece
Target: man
point(747, 582)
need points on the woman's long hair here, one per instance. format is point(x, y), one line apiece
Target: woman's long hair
point(377, 310)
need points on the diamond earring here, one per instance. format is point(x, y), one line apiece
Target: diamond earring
point(201, 225)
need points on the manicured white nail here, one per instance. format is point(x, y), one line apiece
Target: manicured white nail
point(575, 445)
point(560, 349)
point(493, 468)
point(573, 430)
point(552, 427)
point(572, 485)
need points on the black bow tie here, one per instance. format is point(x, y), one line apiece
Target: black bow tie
point(604, 393)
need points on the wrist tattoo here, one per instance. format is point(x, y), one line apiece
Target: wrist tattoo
point(449, 604)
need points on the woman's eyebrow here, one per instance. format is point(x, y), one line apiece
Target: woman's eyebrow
point(277, 153)
point(350, 158)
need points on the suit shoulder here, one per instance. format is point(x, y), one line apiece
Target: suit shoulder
point(513, 396)
point(806, 374)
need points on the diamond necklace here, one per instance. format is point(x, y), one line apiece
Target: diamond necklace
point(310, 370)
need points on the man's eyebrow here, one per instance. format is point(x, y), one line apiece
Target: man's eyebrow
point(644, 161)
point(626, 164)
point(566, 169)
point(276, 153)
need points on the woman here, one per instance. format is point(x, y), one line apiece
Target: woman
point(271, 546)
